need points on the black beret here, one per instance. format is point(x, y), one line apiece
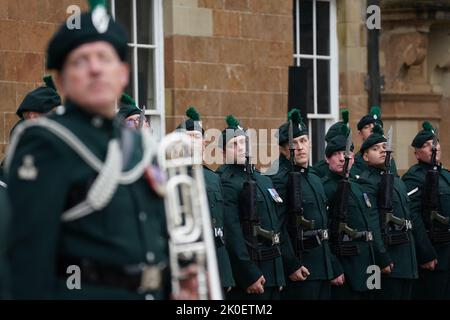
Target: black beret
point(337, 143)
point(299, 127)
point(127, 107)
point(96, 25)
point(336, 129)
point(42, 99)
point(374, 116)
point(377, 136)
point(424, 135)
point(193, 122)
point(232, 131)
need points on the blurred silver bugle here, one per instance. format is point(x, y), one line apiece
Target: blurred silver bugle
point(188, 217)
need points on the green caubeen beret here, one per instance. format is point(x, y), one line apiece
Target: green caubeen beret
point(193, 121)
point(336, 128)
point(95, 25)
point(127, 107)
point(338, 142)
point(42, 99)
point(232, 130)
point(299, 127)
point(427, 133)
point(374, 116)
point(377, 136)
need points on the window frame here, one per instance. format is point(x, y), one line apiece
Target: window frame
point(333, 56)
point(157, 113)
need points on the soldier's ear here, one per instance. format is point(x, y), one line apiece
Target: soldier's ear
point(365, 156)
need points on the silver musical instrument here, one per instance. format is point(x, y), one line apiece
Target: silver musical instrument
point(188, 217)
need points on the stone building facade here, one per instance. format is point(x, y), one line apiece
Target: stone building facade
point(233, 56)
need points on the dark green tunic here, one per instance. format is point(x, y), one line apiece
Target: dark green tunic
point(129, 231)
point(216, 207)
point(245, 270)
point(361, 218)
point(4, 226)
point(404, 255)
point(319, 259)
point(431, 284)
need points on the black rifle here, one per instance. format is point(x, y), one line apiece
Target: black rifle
point(296, 222)
point(339, 210)
point(430, 202)
point(385, 195)
point(249, 217)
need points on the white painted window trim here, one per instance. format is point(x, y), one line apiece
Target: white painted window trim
point(157, 113)
point(333, 116)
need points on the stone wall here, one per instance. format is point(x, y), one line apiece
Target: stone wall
point(25, 29)
point(228, 57)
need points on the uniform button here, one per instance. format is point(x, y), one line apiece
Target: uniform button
point(149, 297)
point(60, 110)
point(142, 216)
point(150, 257)
point(97, 122)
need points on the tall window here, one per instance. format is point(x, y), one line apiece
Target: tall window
point(143, 22)
point(315, 48)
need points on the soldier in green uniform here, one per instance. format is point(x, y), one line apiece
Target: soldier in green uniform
point(39, 101)
point(312, 244)
point(254, 232)
point(400, 226)
point(365, 126)
point(321, 167)
point(4, 226)
point(130, 113)
point(91, 226)
point(355, 231)
point(428, 184)
point(193, 127)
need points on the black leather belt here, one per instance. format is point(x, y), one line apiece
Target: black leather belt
point(347, 248)
point(263, 254)
point(394, 239)
point(439, 236)
point(140, 278)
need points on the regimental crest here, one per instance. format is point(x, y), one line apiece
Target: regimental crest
point(27, 171)
point(100, 19)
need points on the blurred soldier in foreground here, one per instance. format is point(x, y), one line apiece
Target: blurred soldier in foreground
point(92, 225)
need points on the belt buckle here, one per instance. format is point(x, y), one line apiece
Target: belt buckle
point(369, 236)
point(276, 239)
point(324, 234)
point(150, 278)
point(218, 232)
point(408, 225)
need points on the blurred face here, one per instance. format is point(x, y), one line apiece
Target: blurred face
point(301, 152)
point(366, 131)
point(235, 151)
point(337, 160)
point(27, 115)
point(93, 76)
point(197, 140)
point(424, 153)
point(376, 155)
point(133, 122)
